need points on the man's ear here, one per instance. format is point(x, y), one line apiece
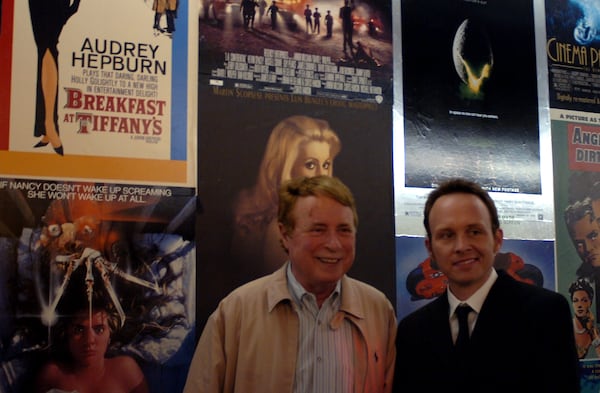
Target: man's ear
point(431, 258)
point(498, 239)
point(428, 245)
point(283, 237)
point(283, 234)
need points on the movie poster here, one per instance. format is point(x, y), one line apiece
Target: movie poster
point(5, 66)
point(470, 98)
point(589, 375)
point(327, 48)
point(576, 150)
point(419, 282)
point(127, 249)
point(249, 143)
point(573, 53)
point(100, 89)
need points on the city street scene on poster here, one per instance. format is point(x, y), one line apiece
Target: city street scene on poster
point(332, 48)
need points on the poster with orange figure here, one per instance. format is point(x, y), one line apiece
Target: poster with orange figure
point(96, 274)
point(100, 90)
point(420, 282)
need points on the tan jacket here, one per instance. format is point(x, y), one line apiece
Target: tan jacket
point(250, 342)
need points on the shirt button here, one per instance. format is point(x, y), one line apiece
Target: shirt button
point(319, 358)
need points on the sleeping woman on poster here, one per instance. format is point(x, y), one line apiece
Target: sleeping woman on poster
point(48, 18)
point(82, 339)
point(297, 146)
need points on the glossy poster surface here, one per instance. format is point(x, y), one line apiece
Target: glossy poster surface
point(470, 94)
point(92, 99)
point(71, 249)
point(324, 49)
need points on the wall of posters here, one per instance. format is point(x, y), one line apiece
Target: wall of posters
point(573, 69)
point(118, 115)
point(98, 190)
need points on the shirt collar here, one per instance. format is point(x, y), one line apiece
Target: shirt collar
point(297, 290)
point(475, 301)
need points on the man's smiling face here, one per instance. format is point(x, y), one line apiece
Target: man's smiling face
point(463, 244)
point(321, 246)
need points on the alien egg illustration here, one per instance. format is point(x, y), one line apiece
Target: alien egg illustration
point(473, 58)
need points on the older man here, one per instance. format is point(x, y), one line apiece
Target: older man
point(307, 327)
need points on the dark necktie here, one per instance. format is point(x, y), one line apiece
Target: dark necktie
point(462, 341)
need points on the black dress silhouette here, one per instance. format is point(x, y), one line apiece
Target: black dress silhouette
point(47, 20)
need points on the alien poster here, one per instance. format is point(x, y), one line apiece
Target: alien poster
point(573, 52)
point(79, 248)
point(470, 93)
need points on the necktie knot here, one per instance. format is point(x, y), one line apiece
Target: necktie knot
point(462, 312)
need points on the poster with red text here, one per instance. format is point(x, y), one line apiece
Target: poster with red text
point(100, 89)
point(576, 152)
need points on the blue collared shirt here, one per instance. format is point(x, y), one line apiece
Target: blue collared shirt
point(324, 361)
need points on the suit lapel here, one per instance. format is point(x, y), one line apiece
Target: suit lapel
point(493, 312)
point(441, 338)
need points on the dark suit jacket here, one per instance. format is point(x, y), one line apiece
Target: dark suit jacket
point(522, 342)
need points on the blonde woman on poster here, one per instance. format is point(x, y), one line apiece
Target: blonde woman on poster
point(297, 146)
point(48, 18)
